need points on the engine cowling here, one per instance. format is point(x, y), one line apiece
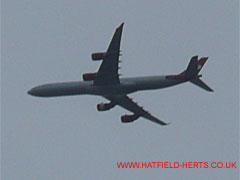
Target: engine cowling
point(105, 107)
point(89, 76)
point(129, 118)
point(98, 56)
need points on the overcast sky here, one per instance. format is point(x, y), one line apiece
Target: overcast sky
point(66, 138)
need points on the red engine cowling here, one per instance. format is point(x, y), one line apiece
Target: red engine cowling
point(89, 76)
point(98, 56)
point(128, 118)
point(105, 107)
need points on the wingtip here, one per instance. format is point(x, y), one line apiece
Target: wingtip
point(165, 123)
point(121, 25)
point(195, 56)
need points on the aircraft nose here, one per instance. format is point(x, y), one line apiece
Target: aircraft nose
point(32, 92)
point(36, 91)
point(40, 91)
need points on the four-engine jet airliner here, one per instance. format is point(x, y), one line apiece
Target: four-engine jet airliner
point(106, 82)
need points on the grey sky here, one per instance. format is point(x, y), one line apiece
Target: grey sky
point(66, 138)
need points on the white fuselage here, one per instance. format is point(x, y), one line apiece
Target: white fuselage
point(126, 86)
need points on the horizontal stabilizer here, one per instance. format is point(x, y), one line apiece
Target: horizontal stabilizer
point(201, 84)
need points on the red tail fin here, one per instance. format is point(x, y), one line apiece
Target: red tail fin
point(201, 63)
point(191, 73)
point(193, 68)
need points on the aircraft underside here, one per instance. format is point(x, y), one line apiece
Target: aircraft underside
point(106, 82)
point(127, 86)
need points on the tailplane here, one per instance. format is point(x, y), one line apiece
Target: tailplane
point(201, 84)
point(191, 73)
point(194, 67)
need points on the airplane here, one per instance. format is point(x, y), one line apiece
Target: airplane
point(107, 83)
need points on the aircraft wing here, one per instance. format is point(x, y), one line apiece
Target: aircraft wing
point(127, 103)
point(108, 71)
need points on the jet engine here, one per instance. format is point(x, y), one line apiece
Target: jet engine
point(129, 118)
point(89, 76)
point(105, 107)
point(98, 56)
